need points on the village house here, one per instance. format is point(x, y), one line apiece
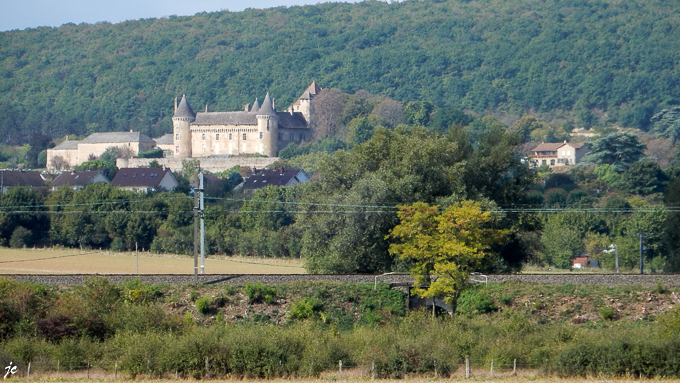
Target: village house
point(12, 178)
point(145, 179)
point(275, 177)
point(78, 180)
point(558, 153)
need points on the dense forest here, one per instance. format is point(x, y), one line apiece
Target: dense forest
point(580, 63)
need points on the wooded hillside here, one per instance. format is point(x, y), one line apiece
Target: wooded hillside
point(585, 62)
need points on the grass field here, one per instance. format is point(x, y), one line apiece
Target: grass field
point(69, 261)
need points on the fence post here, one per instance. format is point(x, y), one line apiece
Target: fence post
point(435, 368)
point(58, 362)
point(207, 367)
point(373, 370)
point(28, 374)
point(514, 368)
point(467, 367)
point(115, 371)
point(340, 364)
point(492, 368)
point(88, 369)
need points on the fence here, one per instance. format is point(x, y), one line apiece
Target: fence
point(44, 368)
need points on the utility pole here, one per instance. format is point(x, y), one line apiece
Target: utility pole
point(196, 207)
point(202, 214)
point(641, 247)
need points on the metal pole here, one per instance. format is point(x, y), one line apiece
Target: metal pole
point(641, 265)
point(137, 254)
point(195, 236)
point(201, 208)
point(492, 368)
point(616, 249)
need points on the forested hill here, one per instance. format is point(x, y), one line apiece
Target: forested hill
point(575, 58)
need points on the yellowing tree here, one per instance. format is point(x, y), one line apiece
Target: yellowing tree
point(448, 245)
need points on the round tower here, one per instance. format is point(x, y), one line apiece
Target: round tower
point(181, 128)
point(267, 128)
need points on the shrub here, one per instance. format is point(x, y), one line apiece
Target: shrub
point(153, 153)
point(21, 237)
point(475, 301)
point(56, 327)
point(607, 312)
point(259, 293)
point(308, 308)
point(204, 305)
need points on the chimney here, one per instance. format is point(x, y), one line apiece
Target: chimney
point(175, 104)
point(254, 170)
point(206, 108)
point(281, 171)
point(73, 172)
point(247, 108)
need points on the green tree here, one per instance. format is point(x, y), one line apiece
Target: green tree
point(644, 178)
point(620, 150)
point(443, 247)
point(561, 243)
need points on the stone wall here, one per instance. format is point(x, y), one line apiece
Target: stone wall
point(211, 164)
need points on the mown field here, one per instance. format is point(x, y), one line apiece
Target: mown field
point(71, 261)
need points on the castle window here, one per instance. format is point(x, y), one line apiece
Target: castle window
point(217, 136)
point(176, 149)
point(177, 137)
point(229, 136)
point(203, 148)
point(262, 134)
point(203, 136)
point(302, 137)
point(244, 136)
point(280, 136)
point(291, 137)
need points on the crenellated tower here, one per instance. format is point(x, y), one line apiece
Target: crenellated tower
point(268, 128)
point(181, 128)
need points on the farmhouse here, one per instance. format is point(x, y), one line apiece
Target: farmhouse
point(558, 153)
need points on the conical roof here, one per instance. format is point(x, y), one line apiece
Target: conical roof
point(256, 106)
point(267, 107)
point(184, 110)
point(313, 89)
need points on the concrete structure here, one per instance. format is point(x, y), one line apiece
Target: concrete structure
point(254, 130)
point(78, 180)
point(71, 153)
point(145, 179)
point(558, 153)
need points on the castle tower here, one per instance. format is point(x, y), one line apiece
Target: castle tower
point(268, 128)
point(304, 103)
point(181, 128)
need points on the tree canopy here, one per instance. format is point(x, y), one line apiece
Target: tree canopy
point(443, 247)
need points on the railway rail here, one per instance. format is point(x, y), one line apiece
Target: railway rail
point(579, 278)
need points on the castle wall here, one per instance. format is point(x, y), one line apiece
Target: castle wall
point(221, 140)
point(213, 164)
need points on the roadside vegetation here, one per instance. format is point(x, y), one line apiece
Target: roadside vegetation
point(304, 329)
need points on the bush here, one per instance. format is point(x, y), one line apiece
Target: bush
point(308, 308)
point(153, 153)
point(475, 301)
point(204, 305)
point(21, 237)
point(259, 293)
point(607, 312)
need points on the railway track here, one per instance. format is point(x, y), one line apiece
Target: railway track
point(240, 279)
